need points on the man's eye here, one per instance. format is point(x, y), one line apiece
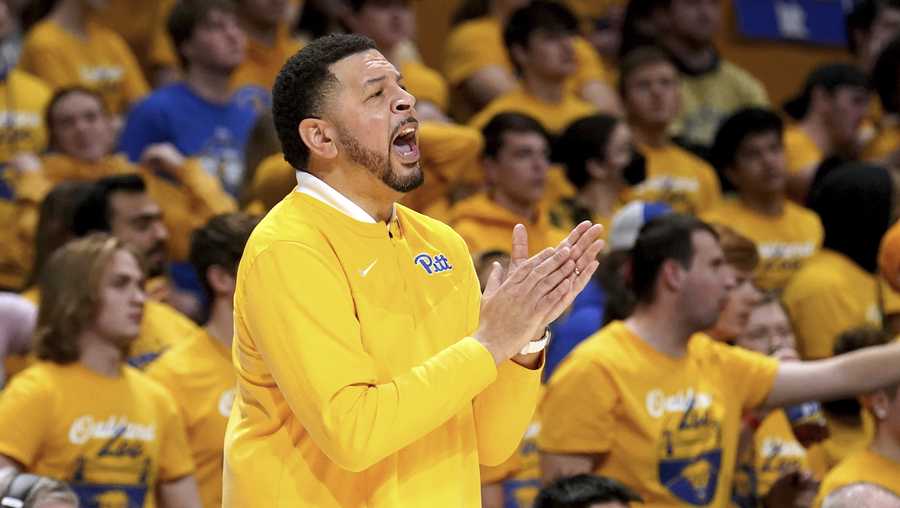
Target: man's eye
point(379, 93)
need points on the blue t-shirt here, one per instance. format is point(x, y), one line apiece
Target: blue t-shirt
point(583, 320)
point(215, 133)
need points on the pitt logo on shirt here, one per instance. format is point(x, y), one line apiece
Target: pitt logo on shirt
point(433, 264)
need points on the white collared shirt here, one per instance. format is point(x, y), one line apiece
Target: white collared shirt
point(309, 184)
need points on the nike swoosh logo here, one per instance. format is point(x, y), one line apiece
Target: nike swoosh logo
point(365, 271)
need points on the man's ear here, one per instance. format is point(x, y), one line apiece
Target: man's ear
point(318, 136)
point(672, 274)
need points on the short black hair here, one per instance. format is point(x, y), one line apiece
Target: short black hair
point(885, 77)
point(669, 236)
point(58, 95)
point(539, 15)
point(831, 77)
point(583, 491)
point(186, 15)
point(508, 122)
point(357, 5)
point(220, 242)
point(638, 58)
point(303, 83)
point(863, 15)
point(737, 128)
point(94, 213)
point(583, 140)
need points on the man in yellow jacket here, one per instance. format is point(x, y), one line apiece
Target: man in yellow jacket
point(371, 371)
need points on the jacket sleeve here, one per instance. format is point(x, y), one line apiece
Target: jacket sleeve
point(310, 340)
point(505, 409)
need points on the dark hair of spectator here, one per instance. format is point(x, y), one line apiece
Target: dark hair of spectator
point(636, 60)
point(885, 77)
point(664, 238)
point(538, 16)
point(584, 491)
point(583, 140)
point(186, 15)
point(55, 223)
point(862, 16)
point(220, 242)
point(94, 213)
point(469, 10)
point(502, 123)
point(736, 129)
point(635, 33)
point(58, 96)
point(303, 85)
point(830, 77)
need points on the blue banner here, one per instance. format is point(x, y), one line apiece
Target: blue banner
point(813, 21)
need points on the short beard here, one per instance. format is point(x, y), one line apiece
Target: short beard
point(378, 164)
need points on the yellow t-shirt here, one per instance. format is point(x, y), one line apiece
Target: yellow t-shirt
point(775, 451)
point(783, 242)
point(367, 390)
point(668, 426)
point(865, 466)
point(143, 26)
point(478, 43)
point(262, 62)
point(112, 439)
point(554, 117)
point(681, 179)
point(521, 474)
point(843, 440)
point(200, 376)
point(706, 100)
point(485, 225)
point(827, 296)
point(800, 150)
point(102, 61)
point(23, 98)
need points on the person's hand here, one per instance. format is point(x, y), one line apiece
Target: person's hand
point(794, 489)
point(584, 245)
point(163, 157)
point(515, 308)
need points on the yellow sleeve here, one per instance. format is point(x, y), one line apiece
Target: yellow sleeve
point(26, 410)
point(566, 424)
point(470, 48)
point(209, 198)
point(452, 150)
point(310, 340)
point(175, 460)
point(750, 374)
point(273, 180)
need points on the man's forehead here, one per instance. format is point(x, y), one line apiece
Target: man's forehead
point(357, 68)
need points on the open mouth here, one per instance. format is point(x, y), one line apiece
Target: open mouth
point(405, 145)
